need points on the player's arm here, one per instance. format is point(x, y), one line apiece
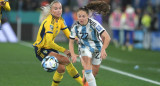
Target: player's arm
point(65, 29)
point(52, 44)
point(71, 48)
point(105, 38)
point(5, 5)
point(66, 32)
point(71, 45)
point(49, 38)
point(55, 46)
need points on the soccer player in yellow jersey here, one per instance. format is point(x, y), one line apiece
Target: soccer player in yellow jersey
point(45, 45)
point(6, 6)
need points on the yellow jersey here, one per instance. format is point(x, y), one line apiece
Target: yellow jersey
point(6, 7)
point(48, 30)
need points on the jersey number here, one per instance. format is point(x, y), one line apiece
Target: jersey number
point(97, 55)
point(83, 35)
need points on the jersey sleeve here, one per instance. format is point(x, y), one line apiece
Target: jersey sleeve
point(7, 6)
point(63, 25)
point(73, 32)
point(52, 44)
point(48, 27)
point(99, 28)
point(66, 32)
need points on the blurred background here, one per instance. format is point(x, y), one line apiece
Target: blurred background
point(133, 54)
point(142, 31)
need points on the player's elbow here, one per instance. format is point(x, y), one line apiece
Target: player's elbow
point(50, 44)
point(105, 37)
point(8, 9)
point(109, 38)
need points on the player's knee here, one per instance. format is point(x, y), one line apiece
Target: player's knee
point(61, 69)
point(87, 66)
point(67, 61)
point(95, 73)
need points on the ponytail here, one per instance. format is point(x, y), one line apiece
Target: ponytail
point(101, 7)
point(46, 10)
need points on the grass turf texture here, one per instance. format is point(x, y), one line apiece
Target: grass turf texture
point(20, 67)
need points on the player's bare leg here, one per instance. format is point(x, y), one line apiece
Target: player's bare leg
point(61, 59)
point(87, 65)
point(95, 69)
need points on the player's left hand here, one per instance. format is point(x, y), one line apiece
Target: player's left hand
point(2, 3)
point(103, 54)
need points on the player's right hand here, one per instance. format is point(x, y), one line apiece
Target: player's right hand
point(67, 52)
point(103, 54)
point(74, 57)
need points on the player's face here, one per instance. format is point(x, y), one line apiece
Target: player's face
point(82, 17)
point(56, 10)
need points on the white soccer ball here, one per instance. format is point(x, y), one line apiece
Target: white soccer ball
point(50, 63)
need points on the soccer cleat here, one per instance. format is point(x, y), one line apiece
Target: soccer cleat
point(85, 83)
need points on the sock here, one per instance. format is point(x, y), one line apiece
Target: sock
point(90, 78)
point(74, 73)
point(57, 78)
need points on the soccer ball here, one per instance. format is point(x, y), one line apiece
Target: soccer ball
point(50, 63)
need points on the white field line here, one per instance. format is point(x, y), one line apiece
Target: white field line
point(113, 59)
point(110, 69)
point(129, 75)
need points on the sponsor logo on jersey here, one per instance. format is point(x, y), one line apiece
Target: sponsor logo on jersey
point(45, 51)
point(98, 28)
point(51, 27)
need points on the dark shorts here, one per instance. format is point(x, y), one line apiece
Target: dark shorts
point(41, 53)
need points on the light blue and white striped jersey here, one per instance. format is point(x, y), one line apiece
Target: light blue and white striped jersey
point(89, 35)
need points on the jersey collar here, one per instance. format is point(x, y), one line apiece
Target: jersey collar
point(56, 19)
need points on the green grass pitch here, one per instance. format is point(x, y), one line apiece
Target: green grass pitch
point(20, 67)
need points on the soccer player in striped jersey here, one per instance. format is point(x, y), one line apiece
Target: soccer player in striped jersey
point(45, 45)
point(6, 6)
point(93, 40)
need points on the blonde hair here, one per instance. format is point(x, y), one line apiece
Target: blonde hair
point(46, 10)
